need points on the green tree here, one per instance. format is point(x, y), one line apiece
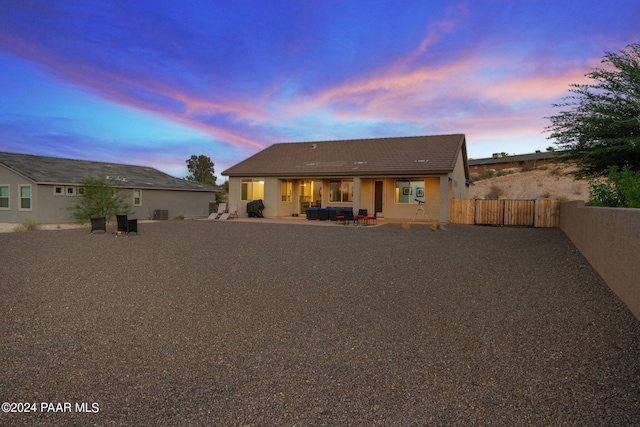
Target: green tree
point(620, 190)
point(201, 170)
point(99, 197)
point(601, 128)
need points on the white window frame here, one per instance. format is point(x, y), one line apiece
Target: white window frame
point(20, 198)
point(344, 192)
point(139, 191)
point(72, 193)
point(8, 197)
point(60, 192)
point(286, 190)
point(248, 189)
point(415, 188)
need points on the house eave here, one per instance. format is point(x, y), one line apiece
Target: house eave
point(342, 174)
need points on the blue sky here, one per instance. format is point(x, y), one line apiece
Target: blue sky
point(153, 82)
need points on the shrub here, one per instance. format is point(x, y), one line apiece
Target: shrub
point(494, 192)
point(27, 224)
point(621, 189)
point(483, 175)
point(437, 227)
point(99, 197)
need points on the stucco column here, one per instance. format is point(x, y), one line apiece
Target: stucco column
point(443, 213)
point(356, 193)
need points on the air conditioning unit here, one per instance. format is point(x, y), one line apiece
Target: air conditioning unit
point(160, 215)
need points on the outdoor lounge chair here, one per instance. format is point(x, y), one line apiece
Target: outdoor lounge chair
point(98, 223)
point(221, 208)
point(126, 225)
point(233, 210)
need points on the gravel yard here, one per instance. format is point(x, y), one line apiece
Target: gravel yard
point(207, 323)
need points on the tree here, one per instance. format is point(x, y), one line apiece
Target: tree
point(602, 126)
point(621, 189)
point(99, 197)
point(201, 170)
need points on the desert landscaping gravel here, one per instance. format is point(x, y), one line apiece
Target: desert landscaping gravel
point(207, 323)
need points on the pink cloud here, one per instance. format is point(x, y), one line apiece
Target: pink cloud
point(116, 87)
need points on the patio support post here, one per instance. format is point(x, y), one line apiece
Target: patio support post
point(443, 209)
point(356, 193)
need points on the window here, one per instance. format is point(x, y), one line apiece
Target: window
point(25, 197)
point(409, 191)
point(252, 189)
point(58, 191)
point(4, 197)
point(137, 197)
point(341, 191)
point(286, 188)
point(70, 191)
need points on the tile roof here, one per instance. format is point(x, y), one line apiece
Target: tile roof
point(54, 170)
point(399, 156)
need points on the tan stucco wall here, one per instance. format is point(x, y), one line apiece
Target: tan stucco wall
point(438, 191)
point(459, 188)
point(609, 238)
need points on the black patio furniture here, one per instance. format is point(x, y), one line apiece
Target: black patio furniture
point(255, 208)
point(98, 223)
point(346, 216)
point(126, 225)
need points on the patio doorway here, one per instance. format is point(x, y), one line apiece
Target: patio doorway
point(377, 197)
point(306, 196)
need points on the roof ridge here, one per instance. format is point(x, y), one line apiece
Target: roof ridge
point(368, 139)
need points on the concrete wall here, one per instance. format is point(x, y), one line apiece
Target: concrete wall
point(609, 238)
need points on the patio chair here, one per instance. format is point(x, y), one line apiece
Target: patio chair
point(98, 223)
point(233, 210)
point(370, 219)
point(344, 217)
point(221, 208)
point(126, 225)
point(362, 214)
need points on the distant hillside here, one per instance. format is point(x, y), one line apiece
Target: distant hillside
point(546, 182)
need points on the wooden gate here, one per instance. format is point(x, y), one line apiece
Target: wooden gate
point(526, 213)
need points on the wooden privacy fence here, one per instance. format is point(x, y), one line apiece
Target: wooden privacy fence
point(529, 213)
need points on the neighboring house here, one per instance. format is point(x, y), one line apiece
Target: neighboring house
point(498, 162)
point(44, 188)
point(383, 175)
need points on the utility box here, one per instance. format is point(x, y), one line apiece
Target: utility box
point(160, 214)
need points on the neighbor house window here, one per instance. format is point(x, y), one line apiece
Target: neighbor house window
point(4, 197)
point(252, 189)
point(58, 191)
point(409, 191)
point(341, 191)
point(137, 197)
point(25, 197)
point(70, 191)
point(286, 188)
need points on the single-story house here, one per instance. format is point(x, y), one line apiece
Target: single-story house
point(43, 189)
point(386, 176)
point(500, 162)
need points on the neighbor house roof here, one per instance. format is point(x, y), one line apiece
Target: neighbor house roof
point(400, 156)
point(515, 158)
point(54, 170)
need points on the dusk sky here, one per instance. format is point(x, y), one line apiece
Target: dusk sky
point(153, 82)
